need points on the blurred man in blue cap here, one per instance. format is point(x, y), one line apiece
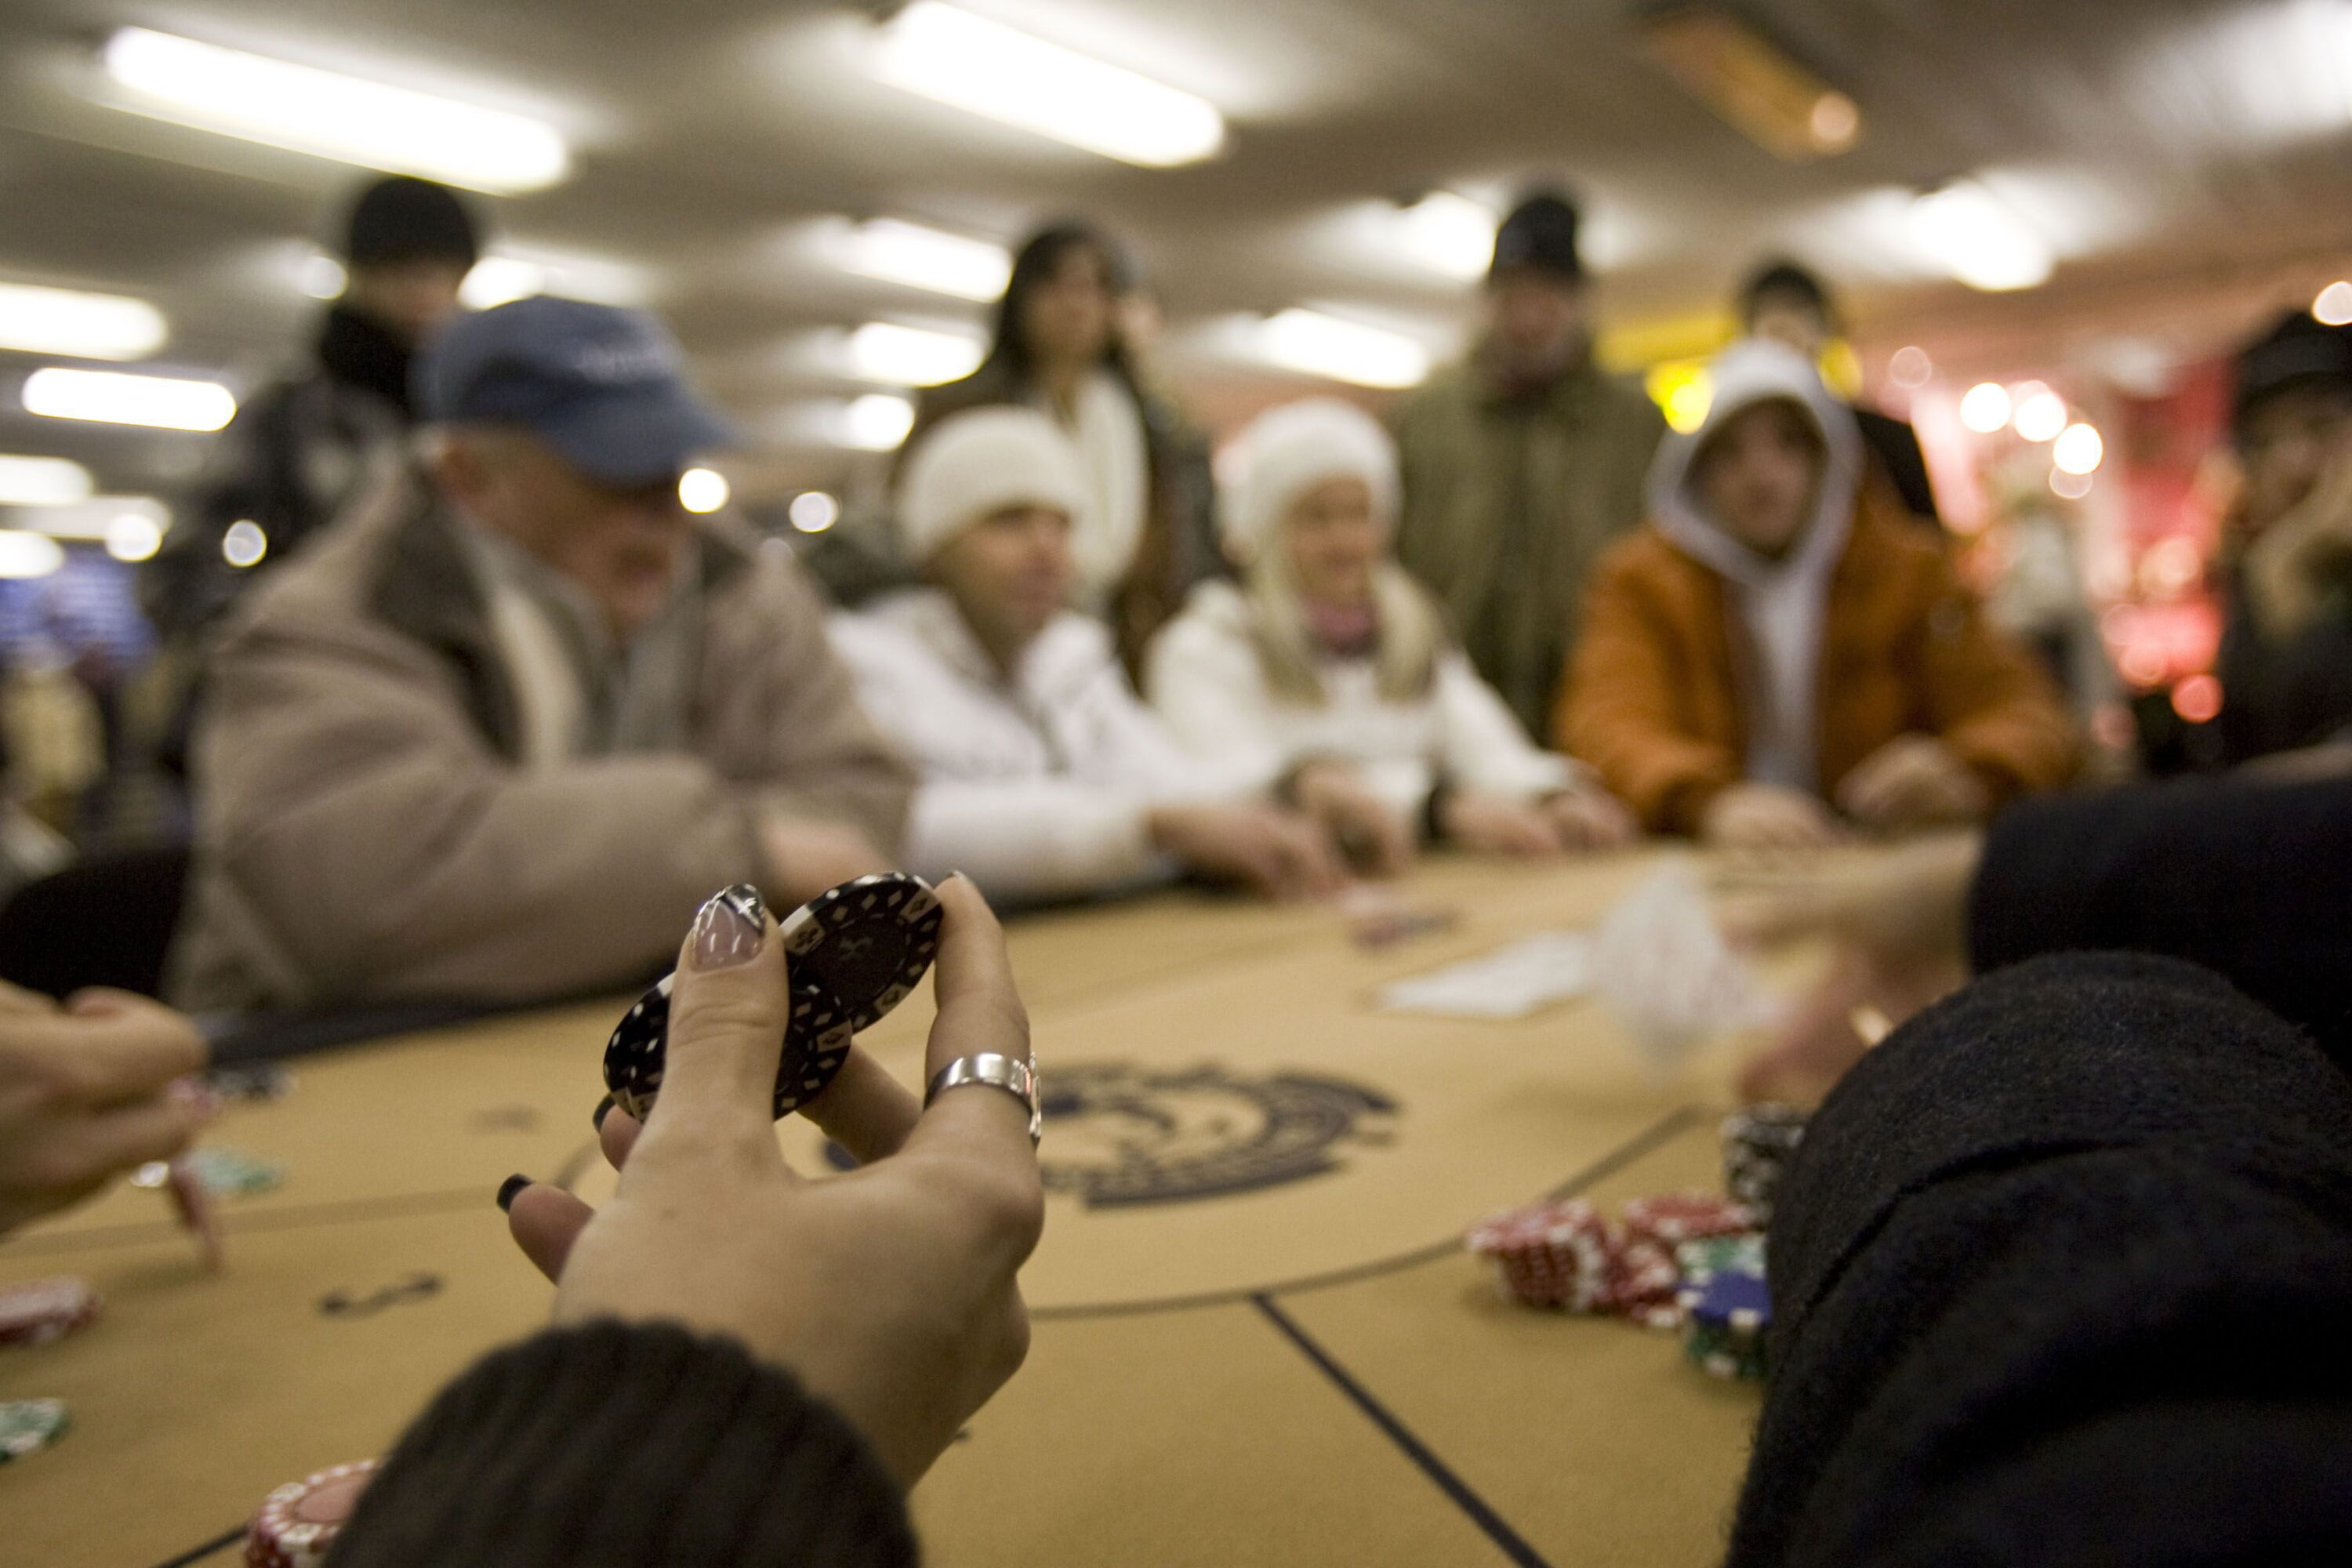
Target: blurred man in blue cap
point(497, 733)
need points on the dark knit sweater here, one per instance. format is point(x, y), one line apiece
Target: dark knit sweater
point(2252, 880)
point(2064, 1276)
point(613, 1447)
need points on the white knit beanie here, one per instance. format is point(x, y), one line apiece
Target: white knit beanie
point(981, 461)
point(1285, 452)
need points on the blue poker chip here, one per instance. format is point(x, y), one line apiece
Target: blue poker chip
point(1734, 1301)
point(855, 951)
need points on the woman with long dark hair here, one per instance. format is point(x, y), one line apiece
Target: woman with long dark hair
point(1059, 348)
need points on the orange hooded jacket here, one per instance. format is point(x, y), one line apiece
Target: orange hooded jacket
point(1652, 697)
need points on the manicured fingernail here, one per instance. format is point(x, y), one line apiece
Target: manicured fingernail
point(509, 1188)
point(730, 929)
point(604, 1108)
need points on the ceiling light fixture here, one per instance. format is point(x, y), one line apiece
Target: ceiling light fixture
point(1752, 84)
point(814, 511)
point(112, 397)
point(1911, 368)
point(703, 489)
point(910, 356)
point(2334, 306)
point(909, 254)
point(37, 320)
point(877, 422)
point(1971, 233)
point(516, 273)
point(329, 115)
point(29, 554)
point(1315, 344)
point(1451, 234)
point(42, 482)
point(134, 537)
point(952, 57)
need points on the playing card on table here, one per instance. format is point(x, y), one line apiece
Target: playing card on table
point(1509, 983)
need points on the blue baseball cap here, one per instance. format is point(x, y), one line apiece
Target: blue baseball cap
point(606, 387)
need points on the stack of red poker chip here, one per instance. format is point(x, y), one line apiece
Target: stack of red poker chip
point(40, 1310)
point(1566, 1254)
point(298, 1521)
point(1552, 1254)
point(1671, 1218)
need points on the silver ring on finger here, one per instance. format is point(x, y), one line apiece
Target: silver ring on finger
point(987, 1068)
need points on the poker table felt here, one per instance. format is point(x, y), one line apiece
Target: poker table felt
point(1257, 1338)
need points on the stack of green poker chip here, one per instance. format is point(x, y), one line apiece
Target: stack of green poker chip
point(1724, 1322)
point(1700, 1261)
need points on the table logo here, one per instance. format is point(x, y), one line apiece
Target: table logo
point(1118, 1135)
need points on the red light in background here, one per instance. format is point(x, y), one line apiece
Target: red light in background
point(2198, 698)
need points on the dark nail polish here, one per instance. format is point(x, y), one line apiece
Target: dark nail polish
point(509, 1188)
point(604, 1108)
point(730, 929)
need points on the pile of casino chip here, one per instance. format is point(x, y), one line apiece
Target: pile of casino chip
point(1690, 1261)
point(33, 1314)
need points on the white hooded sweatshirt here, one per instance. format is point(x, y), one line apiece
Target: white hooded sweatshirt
point(1779, 607)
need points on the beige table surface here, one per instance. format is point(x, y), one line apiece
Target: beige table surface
point(1305, 1370)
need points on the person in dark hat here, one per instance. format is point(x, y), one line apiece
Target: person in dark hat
point(2286, 660)
point(1521, 463)
point(1789, 304)
point(496, 734)
point(302, 448)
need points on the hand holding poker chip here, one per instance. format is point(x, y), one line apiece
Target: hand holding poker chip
point(853, 951)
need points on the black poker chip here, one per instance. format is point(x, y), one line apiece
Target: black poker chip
point(855, 952)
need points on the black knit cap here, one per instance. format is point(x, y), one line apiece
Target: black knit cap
point(1541, 233)
point(400, 218)
point(1783, 278)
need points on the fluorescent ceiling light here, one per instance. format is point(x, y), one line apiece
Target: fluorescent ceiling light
point(1450, 233)
point(877, 422)
point(303, 109)
point(954, 57)
point(1317, 345)
point(919, 258)
point(36, 320)
point(112, 397)
point(29, 554)
point(703, 489)
point(92, 518)
point(1985, 407)
point(910, 356)
point(42, 482)
point(518, 273)
point(1969, 233)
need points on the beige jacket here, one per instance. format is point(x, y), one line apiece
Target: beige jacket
point(365, 830)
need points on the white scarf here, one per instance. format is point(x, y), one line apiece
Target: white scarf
point(1108, 427)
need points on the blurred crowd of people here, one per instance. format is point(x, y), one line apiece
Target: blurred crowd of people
point(492, 714)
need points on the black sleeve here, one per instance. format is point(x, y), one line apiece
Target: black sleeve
point(614, 1446)
point(2254, 881)
point(2059, 1275)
